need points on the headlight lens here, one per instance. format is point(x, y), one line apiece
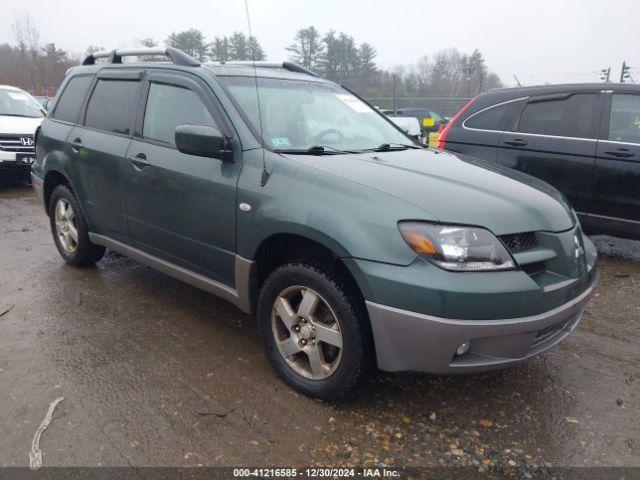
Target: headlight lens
point(457, 248)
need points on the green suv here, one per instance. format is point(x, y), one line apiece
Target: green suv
point(290, 197)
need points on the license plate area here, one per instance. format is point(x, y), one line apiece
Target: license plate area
point(25, 158)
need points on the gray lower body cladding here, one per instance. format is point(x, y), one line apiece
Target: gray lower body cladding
point(416, 342)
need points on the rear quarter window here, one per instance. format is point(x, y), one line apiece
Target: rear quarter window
point(572, 117)
point(111, 105)
point(498, 117)
point(70, 102)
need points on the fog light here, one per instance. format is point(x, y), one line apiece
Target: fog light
point(464, 348)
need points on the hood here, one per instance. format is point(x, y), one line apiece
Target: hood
point(18, 125)
point(455, 189)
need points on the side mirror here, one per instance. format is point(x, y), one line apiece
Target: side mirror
point(203, 141)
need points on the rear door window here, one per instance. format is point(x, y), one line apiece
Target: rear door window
point(574, 116)
point(624, 122)
point(70, 102)
point(496, 118)
point(169, 106)
point(111, 105)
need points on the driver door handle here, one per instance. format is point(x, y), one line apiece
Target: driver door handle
point(516, 142)
point(620, 153)
point(76, 144)
point(139, 161)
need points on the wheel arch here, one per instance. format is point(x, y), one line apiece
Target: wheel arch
point(51, 180)
point(280, 248)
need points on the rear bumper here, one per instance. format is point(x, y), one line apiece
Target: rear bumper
point(413, 341)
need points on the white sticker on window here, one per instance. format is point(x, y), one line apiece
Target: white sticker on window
point(354, 103)
point(280, 142)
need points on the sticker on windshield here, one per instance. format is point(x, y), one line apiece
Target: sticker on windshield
point(354, 103)
point(280, 142)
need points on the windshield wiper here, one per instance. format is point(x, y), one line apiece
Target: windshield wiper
point(391, 147)
point(313, 150)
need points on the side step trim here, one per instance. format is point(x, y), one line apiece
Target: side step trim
point(243, 268)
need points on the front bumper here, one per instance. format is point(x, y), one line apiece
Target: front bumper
point(16, 162)
point(413, 341)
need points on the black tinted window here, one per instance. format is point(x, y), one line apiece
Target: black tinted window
point(169, 106)
point(568, 117)
point(624, 124)
point(111, 105)
point(69, 104)
point(495, 118)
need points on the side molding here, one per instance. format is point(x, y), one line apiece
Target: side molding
point(243, 268)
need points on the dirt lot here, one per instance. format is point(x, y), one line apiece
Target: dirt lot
point(156, 373)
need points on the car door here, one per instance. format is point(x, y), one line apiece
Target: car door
point(181, 207)
point(554, 138)
point(479, 133)
point(616, 206)
point(99, 145)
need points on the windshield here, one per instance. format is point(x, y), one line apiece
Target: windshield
point(19, 104)
point(298, 115)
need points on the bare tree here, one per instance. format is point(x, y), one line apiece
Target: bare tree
point(29, 65)
point(307, 48)
point(27, 38)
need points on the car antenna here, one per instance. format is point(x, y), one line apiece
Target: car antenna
point(264, 178)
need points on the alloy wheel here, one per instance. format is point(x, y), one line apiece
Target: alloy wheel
point(307, 332)
point(66, 228)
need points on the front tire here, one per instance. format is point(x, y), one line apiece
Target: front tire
point(69, 229)
point(314, 330)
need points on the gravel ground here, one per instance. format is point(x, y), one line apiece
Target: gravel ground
point(156, 373)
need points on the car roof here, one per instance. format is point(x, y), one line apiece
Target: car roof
point(492, 97)
point(515, 92)
point(9, 87)
point(217, 69)
point(260, 71)
point(181, 61)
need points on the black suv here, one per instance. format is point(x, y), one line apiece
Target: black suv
point(583, 139)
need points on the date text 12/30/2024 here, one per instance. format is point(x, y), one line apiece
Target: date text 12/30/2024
point(316, 472)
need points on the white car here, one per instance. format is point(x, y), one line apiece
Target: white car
point(410, 125)
point(20, 115)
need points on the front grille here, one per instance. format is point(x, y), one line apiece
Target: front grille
point(550, 331)
point(533, 269)
point(13, 143)
point(516, 242)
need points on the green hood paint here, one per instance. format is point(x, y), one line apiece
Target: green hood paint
point(454, 189)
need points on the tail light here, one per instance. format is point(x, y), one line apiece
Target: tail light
point(442, 141)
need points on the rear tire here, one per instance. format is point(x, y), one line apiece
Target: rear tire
point(314, 330)
point(69, 229)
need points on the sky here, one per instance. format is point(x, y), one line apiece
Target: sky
point(538, 41)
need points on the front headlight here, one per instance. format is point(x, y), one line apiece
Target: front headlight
point(457, 248)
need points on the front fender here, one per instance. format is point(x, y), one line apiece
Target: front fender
point(351, 219)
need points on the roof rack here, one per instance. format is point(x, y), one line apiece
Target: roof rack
point(286, 65)
point(115, 56)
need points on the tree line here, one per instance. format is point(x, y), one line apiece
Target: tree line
point(338, 57)
point(334, 55)
point(31, 65)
